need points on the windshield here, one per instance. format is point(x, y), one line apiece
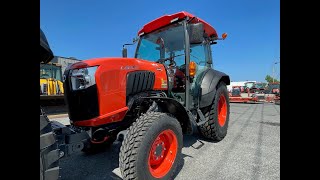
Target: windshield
point(236, 91)
point(249, 84)
point(50, 71)
point(274, 86)
point(259, 85)
point(163, 44)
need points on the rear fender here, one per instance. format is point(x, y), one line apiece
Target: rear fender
point(208, 84)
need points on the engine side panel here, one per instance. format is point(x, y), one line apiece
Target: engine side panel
point(113, 80)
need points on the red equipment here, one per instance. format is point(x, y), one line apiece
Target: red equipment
point(235, 96)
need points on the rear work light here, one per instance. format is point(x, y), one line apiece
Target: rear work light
point(83, 78)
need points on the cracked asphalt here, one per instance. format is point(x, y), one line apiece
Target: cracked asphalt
point(251, 150)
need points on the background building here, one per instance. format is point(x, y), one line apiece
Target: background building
point(64, 61)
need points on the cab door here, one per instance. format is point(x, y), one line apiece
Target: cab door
point(200, 59)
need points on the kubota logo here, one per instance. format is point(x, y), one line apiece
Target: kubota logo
point(127, 67)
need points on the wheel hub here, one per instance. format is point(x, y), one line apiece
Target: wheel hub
point(222, 110)
point(163, 153)
point(158, 149)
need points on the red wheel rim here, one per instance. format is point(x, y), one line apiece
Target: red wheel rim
point(163, 153)
point(222, 110)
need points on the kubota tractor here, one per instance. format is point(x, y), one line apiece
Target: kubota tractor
point(168, 89)
point(235, 96)
point(258, 87)
point(273, 88)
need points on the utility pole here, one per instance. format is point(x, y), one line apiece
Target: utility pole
point(273, 70)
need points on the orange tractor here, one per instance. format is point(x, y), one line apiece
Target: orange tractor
point(273, 92)
point(168, 89)
point(236, 96)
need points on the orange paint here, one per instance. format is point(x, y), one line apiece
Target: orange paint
point(111, 81)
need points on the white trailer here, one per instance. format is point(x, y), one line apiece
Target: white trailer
point(237, 83)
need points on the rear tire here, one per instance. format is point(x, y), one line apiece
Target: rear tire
point(49, 152)
point(152, 148)
point(217, 115)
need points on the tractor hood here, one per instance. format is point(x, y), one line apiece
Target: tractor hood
point(46, 54)
point(115, 63)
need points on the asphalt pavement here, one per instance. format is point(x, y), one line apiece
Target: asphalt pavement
point(251, 150)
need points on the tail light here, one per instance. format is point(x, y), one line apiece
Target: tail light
point(83, 78)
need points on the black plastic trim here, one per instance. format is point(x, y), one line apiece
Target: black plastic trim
point(139, 81)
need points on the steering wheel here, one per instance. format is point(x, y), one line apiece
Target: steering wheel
point(182, 68)
point(172, 62)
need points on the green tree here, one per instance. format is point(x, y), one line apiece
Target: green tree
point(269, 79)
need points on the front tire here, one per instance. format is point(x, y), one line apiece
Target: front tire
point(218, 115)
point(152, 147)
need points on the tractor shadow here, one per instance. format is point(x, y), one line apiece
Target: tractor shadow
point(194, 141)
point(105, 164)
point(93, 166)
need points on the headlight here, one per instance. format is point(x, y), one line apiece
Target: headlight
point(83, 78)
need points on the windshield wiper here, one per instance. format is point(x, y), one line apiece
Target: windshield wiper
point(168, 58)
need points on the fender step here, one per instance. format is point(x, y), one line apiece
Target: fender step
point(202, 118)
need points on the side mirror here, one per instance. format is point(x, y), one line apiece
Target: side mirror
point(124, 52)
point(196, 32)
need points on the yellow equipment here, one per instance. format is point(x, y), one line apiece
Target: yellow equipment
point(51, 85)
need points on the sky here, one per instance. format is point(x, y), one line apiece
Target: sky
point(87, 29)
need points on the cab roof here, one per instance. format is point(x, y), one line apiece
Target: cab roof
point(167, 19)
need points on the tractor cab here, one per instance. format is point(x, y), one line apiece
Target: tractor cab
point(260, 87)
point(181, 42)
point(249, 86)
point(236, 91)
point(273, 88)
